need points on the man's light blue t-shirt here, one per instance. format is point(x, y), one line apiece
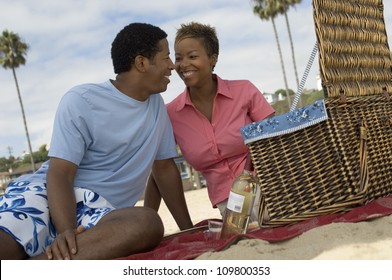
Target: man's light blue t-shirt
point(113, 139)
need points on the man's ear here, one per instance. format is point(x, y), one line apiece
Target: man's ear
point(214, 60)
point(141, 63)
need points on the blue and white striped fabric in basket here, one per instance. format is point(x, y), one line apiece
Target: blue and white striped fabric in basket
point(285, 123)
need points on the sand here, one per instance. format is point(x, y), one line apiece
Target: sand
point(369, 240)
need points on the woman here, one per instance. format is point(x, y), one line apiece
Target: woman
point(207, 116)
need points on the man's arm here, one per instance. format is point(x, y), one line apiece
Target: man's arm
point(62, 208)
point(152, 196)
point(169, 183)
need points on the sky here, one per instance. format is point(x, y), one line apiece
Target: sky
point(69, 44)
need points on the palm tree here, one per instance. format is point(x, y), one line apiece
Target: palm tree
point(268, 10)
point(12, 54)
point(287, 4)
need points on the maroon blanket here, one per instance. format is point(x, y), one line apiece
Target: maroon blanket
point(189, 245)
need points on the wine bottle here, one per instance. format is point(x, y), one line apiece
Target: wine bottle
point(239, 205)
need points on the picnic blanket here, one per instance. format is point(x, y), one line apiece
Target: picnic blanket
point(192, 243)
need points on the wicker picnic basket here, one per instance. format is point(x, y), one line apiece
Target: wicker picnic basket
point(337, 153)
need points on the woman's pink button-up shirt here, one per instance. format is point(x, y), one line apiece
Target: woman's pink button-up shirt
point(216, 148)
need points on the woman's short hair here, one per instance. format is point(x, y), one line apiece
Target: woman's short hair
point(205, 32)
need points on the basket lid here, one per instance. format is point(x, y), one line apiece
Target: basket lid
point(285, 123)
point(354, 55)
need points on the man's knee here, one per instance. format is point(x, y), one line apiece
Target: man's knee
point(139, 225)
point(150, 223)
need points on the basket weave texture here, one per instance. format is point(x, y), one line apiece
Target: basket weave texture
point(353, 44)
point(345, 161)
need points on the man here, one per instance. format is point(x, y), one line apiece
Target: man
point(107, 139)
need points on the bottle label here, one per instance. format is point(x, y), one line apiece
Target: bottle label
point(235, 202)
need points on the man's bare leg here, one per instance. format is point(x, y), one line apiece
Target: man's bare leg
point(118, 234)
point(10, 249)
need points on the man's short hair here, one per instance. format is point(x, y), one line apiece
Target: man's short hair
point(133, 40)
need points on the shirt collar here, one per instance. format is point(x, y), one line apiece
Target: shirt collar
point(223, 90)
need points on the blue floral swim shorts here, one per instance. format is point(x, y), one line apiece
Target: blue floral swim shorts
point(24, 214)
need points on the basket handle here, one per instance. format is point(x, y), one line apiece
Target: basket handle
point(364, 170)
point(304, 77)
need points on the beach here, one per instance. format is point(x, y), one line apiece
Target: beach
point(368, 240)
